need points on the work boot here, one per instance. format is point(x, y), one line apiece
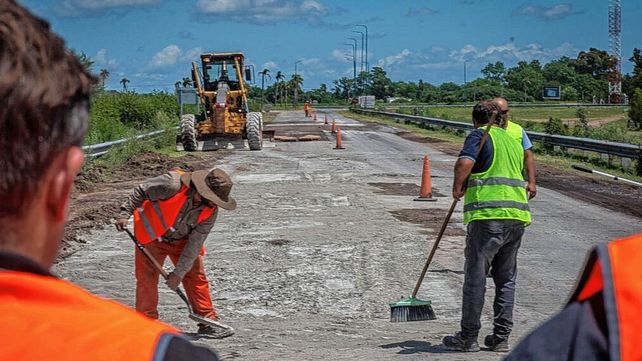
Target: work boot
point(496, 343)
point(214, 332)
point(459, 343)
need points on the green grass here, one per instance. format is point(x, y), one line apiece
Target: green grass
point(524, 114)
point(118, 155)
point(559, 160)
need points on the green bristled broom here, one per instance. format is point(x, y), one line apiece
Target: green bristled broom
point(412, 308)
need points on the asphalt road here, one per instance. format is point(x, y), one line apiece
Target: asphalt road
point(322, 241)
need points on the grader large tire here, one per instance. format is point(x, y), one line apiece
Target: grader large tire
point(254, 130)
point(188, 132)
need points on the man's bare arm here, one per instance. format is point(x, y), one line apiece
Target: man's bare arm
point(463, 167)
point(529, 166)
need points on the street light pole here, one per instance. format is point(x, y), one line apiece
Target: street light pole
point(354, 63)
point(296, 87)
point(295, 64)
point(362, 45)
point(366, 28)
point(464, 72)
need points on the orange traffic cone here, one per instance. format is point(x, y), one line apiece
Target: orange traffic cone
point(326, 119)
point(338, 145)
point(425, 194)
point(334, 127)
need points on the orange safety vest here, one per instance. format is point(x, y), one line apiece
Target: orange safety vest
point(153, 218)
point(45, 318)
point(615, 269)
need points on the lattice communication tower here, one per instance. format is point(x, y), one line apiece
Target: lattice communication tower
point(615, 49)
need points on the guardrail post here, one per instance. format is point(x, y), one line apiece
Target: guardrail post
point(638, 168)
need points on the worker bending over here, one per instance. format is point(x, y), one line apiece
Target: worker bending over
point(173, 214)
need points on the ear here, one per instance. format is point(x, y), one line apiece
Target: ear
point(65, 167)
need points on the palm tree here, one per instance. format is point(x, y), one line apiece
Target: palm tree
point(279, 84)
point(187, 82)
point(124, 82)
point(263, 73)
point(86, 61)
point(296, 83)
point(104, 74)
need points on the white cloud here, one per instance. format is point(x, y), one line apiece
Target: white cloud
point(394, 59)
point(172, 57)
point(510, 53)
point(192, 54)
point(101, 60)
point(311, 62)
point(554, 12)
point(270, 65)
point(340, 56)
point(75, 8)
point(261, 11)
point(166, 57)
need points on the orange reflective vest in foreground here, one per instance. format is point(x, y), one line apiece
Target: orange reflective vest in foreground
point(615, 269)
point(45, 318)
point(153, 218)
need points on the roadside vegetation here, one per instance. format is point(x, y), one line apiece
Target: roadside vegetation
point(606, 123)
point(557, 158)
point(583, 79)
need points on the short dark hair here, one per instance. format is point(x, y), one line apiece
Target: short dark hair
point(483, 112)
point(44, 92)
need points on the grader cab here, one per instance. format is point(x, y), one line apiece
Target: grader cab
point(223, 118)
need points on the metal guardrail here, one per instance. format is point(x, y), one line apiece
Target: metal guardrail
point(622, 150)
point(512, 104)
point(96, 150)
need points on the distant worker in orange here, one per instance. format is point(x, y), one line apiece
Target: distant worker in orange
point(602, 319)
point(44, 118)
point(306, 108)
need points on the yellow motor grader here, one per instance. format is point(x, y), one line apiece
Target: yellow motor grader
point(222, 97)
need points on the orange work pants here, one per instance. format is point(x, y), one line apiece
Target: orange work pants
point(195, 281)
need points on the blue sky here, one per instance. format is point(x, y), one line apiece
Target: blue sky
point(152, 42)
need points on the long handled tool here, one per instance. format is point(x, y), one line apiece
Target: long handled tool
point(228, 331)
point(412, 308)
point(614, 177)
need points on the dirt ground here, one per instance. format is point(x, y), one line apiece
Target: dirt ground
point(99, 193)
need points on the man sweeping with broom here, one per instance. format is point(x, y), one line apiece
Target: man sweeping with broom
point(496, 211)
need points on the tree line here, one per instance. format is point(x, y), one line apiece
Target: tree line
point(583, 79)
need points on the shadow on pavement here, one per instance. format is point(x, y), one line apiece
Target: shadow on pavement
point(413, 347)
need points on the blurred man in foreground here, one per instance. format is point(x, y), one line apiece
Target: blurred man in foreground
point(43, 119)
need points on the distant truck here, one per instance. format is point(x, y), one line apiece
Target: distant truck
point(366, 101)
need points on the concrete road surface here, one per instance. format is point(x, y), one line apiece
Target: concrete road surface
point(322, 240)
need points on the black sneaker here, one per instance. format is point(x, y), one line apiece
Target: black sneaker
point(459, 343)
point(214, 332)
point(496, 343)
